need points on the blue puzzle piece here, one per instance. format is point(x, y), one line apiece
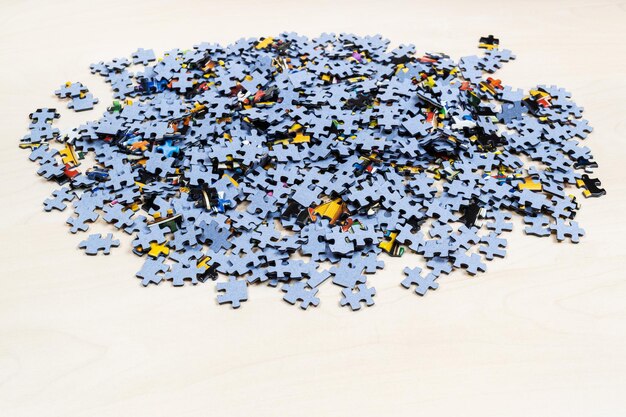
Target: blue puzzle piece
point(422, 285)
point(298, 291)
point(96, 243)
point(235, 291)
point(355, 298)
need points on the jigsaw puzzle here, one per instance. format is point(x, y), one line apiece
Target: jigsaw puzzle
point(287, 161)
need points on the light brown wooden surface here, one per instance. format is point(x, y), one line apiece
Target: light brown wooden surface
point(542, 333)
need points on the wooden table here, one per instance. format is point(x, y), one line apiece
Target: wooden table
point(542, 333)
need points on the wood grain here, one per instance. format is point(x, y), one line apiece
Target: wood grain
point(543, 333)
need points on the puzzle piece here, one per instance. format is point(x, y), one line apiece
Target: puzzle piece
point(494, 246)
point(151, 271)
point(422, 285)
point(70, 89)
point(179, 273)
point(143, 56)
point(82, 102)
point(472, 263)
point(563, 229)
point(235, 291)
point(96, 243)
point(538, 225)
point(298, 291)
point(355, 298)
point(59, 197)
point(591, 186)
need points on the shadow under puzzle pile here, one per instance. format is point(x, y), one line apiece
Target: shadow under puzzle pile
point(271, 159)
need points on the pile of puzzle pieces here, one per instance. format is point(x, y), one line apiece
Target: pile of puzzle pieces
point(290, 161)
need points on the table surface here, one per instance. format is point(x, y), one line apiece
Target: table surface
point(542, 333)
